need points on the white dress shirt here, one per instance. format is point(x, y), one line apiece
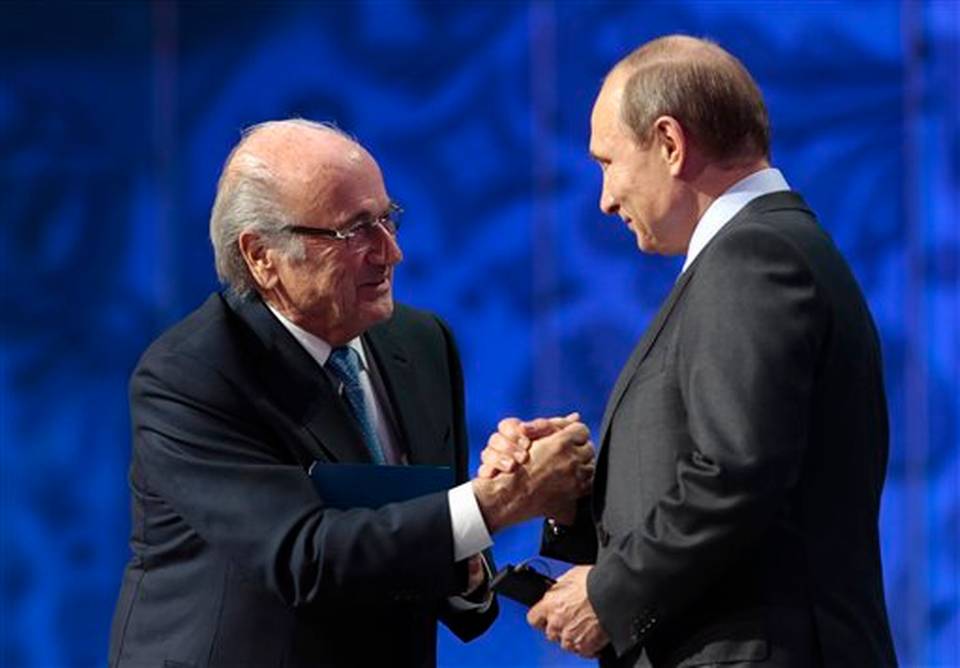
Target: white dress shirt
point(729, 204)
point(470, 534)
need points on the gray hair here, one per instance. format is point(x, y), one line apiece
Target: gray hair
point(247, 200)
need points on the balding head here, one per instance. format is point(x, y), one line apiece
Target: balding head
point(277, 175)
point(706, 89)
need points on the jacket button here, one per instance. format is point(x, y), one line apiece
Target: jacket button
point(554, 529)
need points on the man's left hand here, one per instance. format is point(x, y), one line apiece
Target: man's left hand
point(566, 616)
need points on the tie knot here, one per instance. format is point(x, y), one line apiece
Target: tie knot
point(345, 363)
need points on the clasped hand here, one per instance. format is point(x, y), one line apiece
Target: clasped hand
point(564, 614)
point(552, 458)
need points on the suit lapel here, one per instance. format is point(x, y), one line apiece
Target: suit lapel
point(301, 388)
point(642, 349)
point(419, 432)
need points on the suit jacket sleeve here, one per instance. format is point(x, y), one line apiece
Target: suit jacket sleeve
point(199, 451)
point(747, 349)
point(577, 543)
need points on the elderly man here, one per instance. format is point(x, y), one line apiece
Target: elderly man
point(743, 450)
point(238, 560)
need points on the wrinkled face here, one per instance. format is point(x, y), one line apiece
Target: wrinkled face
point(338, 288)
point(637, 184)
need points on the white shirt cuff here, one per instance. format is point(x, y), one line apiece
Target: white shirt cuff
point(470, 535)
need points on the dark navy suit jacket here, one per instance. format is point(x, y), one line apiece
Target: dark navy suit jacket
point(236, 561)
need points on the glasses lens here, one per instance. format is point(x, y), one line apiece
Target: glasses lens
point(365, 234)
point(391, 219)
point(388, 224)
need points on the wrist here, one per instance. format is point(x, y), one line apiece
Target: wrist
point(495, 503)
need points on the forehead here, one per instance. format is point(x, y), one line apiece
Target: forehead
point(606, 126)
point(338, 188)
point(355, 178)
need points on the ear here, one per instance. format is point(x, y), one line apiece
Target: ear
point(260, 259)
point(673, 143)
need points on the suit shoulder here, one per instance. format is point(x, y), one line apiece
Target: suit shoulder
point(746, 246)
point(406, 314)
point(190, 332)
point(783, 237)
point(204, 336)
point(412, 321)
point(783, 228)
point(791, 235)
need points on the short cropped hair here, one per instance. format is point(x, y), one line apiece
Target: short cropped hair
point(705, 88)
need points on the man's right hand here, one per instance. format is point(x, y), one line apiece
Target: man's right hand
point(550, 471)
point(509, 446)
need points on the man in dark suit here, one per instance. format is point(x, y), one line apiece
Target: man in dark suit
point(237, 561)
point(733, 518)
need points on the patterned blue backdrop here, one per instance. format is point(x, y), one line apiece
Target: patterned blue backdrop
point(115, 118)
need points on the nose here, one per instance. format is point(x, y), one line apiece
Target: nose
point(608, 203)
point(385, 249)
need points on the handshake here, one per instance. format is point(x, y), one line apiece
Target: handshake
point(538, 468)
point(532, 469)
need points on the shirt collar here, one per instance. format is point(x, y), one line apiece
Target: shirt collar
point(729, 204)
point(316, 347)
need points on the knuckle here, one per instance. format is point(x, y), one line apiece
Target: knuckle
point(508, 425)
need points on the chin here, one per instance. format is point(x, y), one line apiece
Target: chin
point(647, 245)
point(380, 310)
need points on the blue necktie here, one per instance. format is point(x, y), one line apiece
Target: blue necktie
point(344, 362)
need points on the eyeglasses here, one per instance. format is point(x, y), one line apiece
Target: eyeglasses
point(362, 232)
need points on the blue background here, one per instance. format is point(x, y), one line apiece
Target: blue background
point(115, 119)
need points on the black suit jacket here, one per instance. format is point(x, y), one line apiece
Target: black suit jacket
point(236, 562)
point(743, 452)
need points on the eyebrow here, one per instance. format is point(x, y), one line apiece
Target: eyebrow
point(366, 214)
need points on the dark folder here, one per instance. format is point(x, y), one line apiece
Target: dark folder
point(371, 486)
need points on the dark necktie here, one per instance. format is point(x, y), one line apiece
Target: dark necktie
point(344, 362)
